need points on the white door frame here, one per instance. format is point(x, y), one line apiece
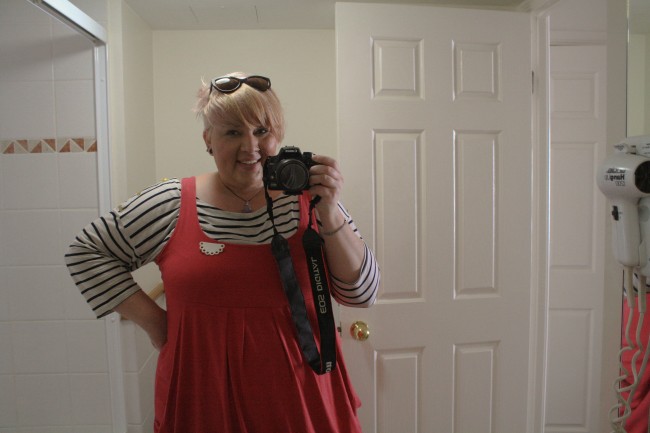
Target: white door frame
point(541, 145)
point(76, 19)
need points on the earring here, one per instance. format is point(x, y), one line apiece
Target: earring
point(209, 150)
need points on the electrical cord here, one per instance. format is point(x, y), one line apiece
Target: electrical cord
point(620, 413)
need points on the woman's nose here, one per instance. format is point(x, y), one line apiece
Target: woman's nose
point(249, 142)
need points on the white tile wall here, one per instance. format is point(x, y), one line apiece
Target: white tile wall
point(53, 353)
point(90, 399)
point(26, 51)
point(71, 54)
point(8, 408)
point(43, 400)
point(73, 116)
point(6, 354)
point(33, 293)
point(30, 238)
point(29, 182)
point(53, 360)
point(4, 291)
point(89, 429)
point(39, 347)
point(75, 194)
point(20, 11)
point(66, 429)
point(27, 110)
point(86, 339)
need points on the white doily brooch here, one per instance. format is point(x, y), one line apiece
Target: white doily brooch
point(211, 249)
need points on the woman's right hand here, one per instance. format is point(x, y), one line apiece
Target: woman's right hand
point(158, 332)
point(144, 312)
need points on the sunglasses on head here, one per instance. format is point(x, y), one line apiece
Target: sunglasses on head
point(230, 84)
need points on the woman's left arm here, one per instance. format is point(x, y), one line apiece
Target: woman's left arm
point(349, 260)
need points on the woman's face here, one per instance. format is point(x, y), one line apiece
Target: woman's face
point(240, 150)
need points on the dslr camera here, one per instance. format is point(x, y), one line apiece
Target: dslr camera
point(288, 171)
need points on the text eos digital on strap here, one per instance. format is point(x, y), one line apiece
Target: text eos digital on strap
point(325, 361)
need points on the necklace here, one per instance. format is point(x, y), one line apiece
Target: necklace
point(247, 202)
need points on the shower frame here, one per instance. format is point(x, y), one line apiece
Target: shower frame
point(79, 21)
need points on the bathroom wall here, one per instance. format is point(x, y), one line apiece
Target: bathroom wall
point(639, 89)
point(133, 168)
point(53, 363)
point(131, 102)
point(300, 63)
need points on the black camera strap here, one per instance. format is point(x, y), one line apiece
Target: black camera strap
point(325, 361)
point(313, 245)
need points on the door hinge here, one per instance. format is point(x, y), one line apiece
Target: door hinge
point(532, 82)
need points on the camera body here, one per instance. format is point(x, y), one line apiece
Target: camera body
point(288, 171)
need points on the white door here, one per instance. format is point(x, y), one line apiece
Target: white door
point(577, 238)
point(434, 109)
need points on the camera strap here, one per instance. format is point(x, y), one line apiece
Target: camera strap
point(325, 361)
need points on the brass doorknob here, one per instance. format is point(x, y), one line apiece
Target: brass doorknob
point(360, 330)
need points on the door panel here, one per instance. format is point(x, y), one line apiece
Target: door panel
point(577, 242)
point(434, 120)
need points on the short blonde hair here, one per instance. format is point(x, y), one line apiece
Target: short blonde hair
point(246, 105)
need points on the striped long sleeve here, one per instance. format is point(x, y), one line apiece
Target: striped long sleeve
point(103, 255)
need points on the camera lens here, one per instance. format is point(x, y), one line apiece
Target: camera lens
point(292, 175)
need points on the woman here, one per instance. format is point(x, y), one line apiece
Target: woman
point(230, 357)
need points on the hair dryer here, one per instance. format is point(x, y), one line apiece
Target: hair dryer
point(624, 178)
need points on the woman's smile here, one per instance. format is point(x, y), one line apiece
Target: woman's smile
point(250, 163)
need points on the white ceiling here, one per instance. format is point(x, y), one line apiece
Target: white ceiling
point(268, 14)
point(305, 14)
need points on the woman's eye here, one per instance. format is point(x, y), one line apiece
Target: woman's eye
point(232, 132)
point(261, 131)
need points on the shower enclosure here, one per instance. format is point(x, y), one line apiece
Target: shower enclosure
point(58, 372)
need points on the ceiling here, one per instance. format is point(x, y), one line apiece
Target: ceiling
point(269, 14)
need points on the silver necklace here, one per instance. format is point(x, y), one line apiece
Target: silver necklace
point(247, 203)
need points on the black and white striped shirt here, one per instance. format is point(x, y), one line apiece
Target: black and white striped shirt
point(104, 253)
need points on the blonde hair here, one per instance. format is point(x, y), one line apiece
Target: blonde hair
point(246, 105)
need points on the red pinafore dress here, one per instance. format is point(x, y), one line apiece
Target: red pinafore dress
point(232, 363)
